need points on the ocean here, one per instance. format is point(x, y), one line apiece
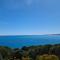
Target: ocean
point(28, 40)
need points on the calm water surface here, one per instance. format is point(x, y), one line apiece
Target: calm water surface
point(28, 40)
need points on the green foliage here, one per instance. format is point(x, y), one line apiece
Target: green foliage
point(47, 57)
point(5, 52)
point(42, 52)
point(55, 50)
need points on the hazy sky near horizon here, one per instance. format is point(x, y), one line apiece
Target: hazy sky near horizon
point(26, 17)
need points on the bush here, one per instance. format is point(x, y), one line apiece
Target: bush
point(47, 57)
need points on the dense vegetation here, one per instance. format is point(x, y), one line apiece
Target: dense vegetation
point(44, 52)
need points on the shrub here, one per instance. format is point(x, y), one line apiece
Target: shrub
point(47, 57)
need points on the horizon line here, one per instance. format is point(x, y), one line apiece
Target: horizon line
point(27, 34)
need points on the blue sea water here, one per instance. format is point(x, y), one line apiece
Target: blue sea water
point(28, 40)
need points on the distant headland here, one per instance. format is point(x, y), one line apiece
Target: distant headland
point(54, 34)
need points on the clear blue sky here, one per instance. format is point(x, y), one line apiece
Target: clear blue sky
point(26, 17)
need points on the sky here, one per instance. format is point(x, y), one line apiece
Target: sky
point(29, 17)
